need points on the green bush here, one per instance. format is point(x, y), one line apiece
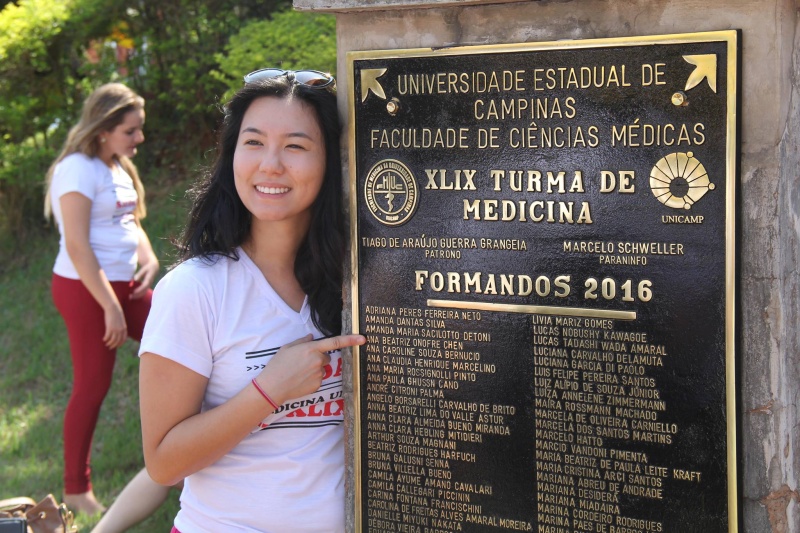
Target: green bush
point(290, 40)
point(22, 169)
point(41, 89)
point(180, 55)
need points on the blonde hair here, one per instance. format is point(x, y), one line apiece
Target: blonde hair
point(104, 110)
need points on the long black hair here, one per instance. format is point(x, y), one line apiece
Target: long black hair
point(219, 222)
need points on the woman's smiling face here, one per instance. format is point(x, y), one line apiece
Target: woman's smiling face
point(279, 161)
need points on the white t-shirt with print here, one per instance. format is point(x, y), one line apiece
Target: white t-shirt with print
point(224, 321)
point(113, 233)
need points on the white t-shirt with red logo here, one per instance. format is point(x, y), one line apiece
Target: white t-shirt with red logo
point(224, 321)
point(113, 233)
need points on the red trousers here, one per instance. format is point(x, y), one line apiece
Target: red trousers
point(92, 367)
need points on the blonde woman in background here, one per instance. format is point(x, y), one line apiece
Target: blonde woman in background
point(96, 196)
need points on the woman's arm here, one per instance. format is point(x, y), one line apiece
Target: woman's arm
point(148, 265)
point(179, 440)
point(76, 213)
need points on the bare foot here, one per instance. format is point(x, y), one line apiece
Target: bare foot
point(85, 503)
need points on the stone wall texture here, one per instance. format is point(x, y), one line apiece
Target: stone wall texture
point(769, 192)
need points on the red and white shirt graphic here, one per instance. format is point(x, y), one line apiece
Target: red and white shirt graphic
point(225, 322)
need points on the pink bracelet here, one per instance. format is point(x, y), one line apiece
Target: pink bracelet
point(265, 395)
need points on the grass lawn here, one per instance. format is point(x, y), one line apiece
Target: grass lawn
point(36, 376)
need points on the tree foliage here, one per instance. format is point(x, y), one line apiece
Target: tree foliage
point(41, 87)
point(178, 45)
point(180, 55)
point(289, 40)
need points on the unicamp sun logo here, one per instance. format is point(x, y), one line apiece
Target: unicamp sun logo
point(679, 180)
point(391, 192)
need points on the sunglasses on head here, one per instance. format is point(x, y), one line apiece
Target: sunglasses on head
point(309, 78)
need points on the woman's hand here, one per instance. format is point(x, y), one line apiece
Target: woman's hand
point(143, 278)
point(148, 266)
point(299, 367)
point(76, 213)
point(116, 327)
point(179, 438)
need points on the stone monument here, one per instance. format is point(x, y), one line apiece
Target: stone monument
point(575, 238)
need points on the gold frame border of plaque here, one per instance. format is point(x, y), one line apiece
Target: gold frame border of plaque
point(732, 39)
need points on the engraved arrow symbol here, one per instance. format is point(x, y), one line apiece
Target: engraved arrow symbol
point(705, 67)
point(369, 82)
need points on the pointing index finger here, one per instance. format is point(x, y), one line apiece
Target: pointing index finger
point(331, 344)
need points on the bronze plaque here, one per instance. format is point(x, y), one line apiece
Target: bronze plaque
point(543, 264)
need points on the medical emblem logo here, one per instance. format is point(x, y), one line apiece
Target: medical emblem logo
point(391, 192)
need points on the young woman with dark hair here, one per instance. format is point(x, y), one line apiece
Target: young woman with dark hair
point(220, 222)
point(241, 383)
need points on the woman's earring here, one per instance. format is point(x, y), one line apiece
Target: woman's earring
point(102, 139)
